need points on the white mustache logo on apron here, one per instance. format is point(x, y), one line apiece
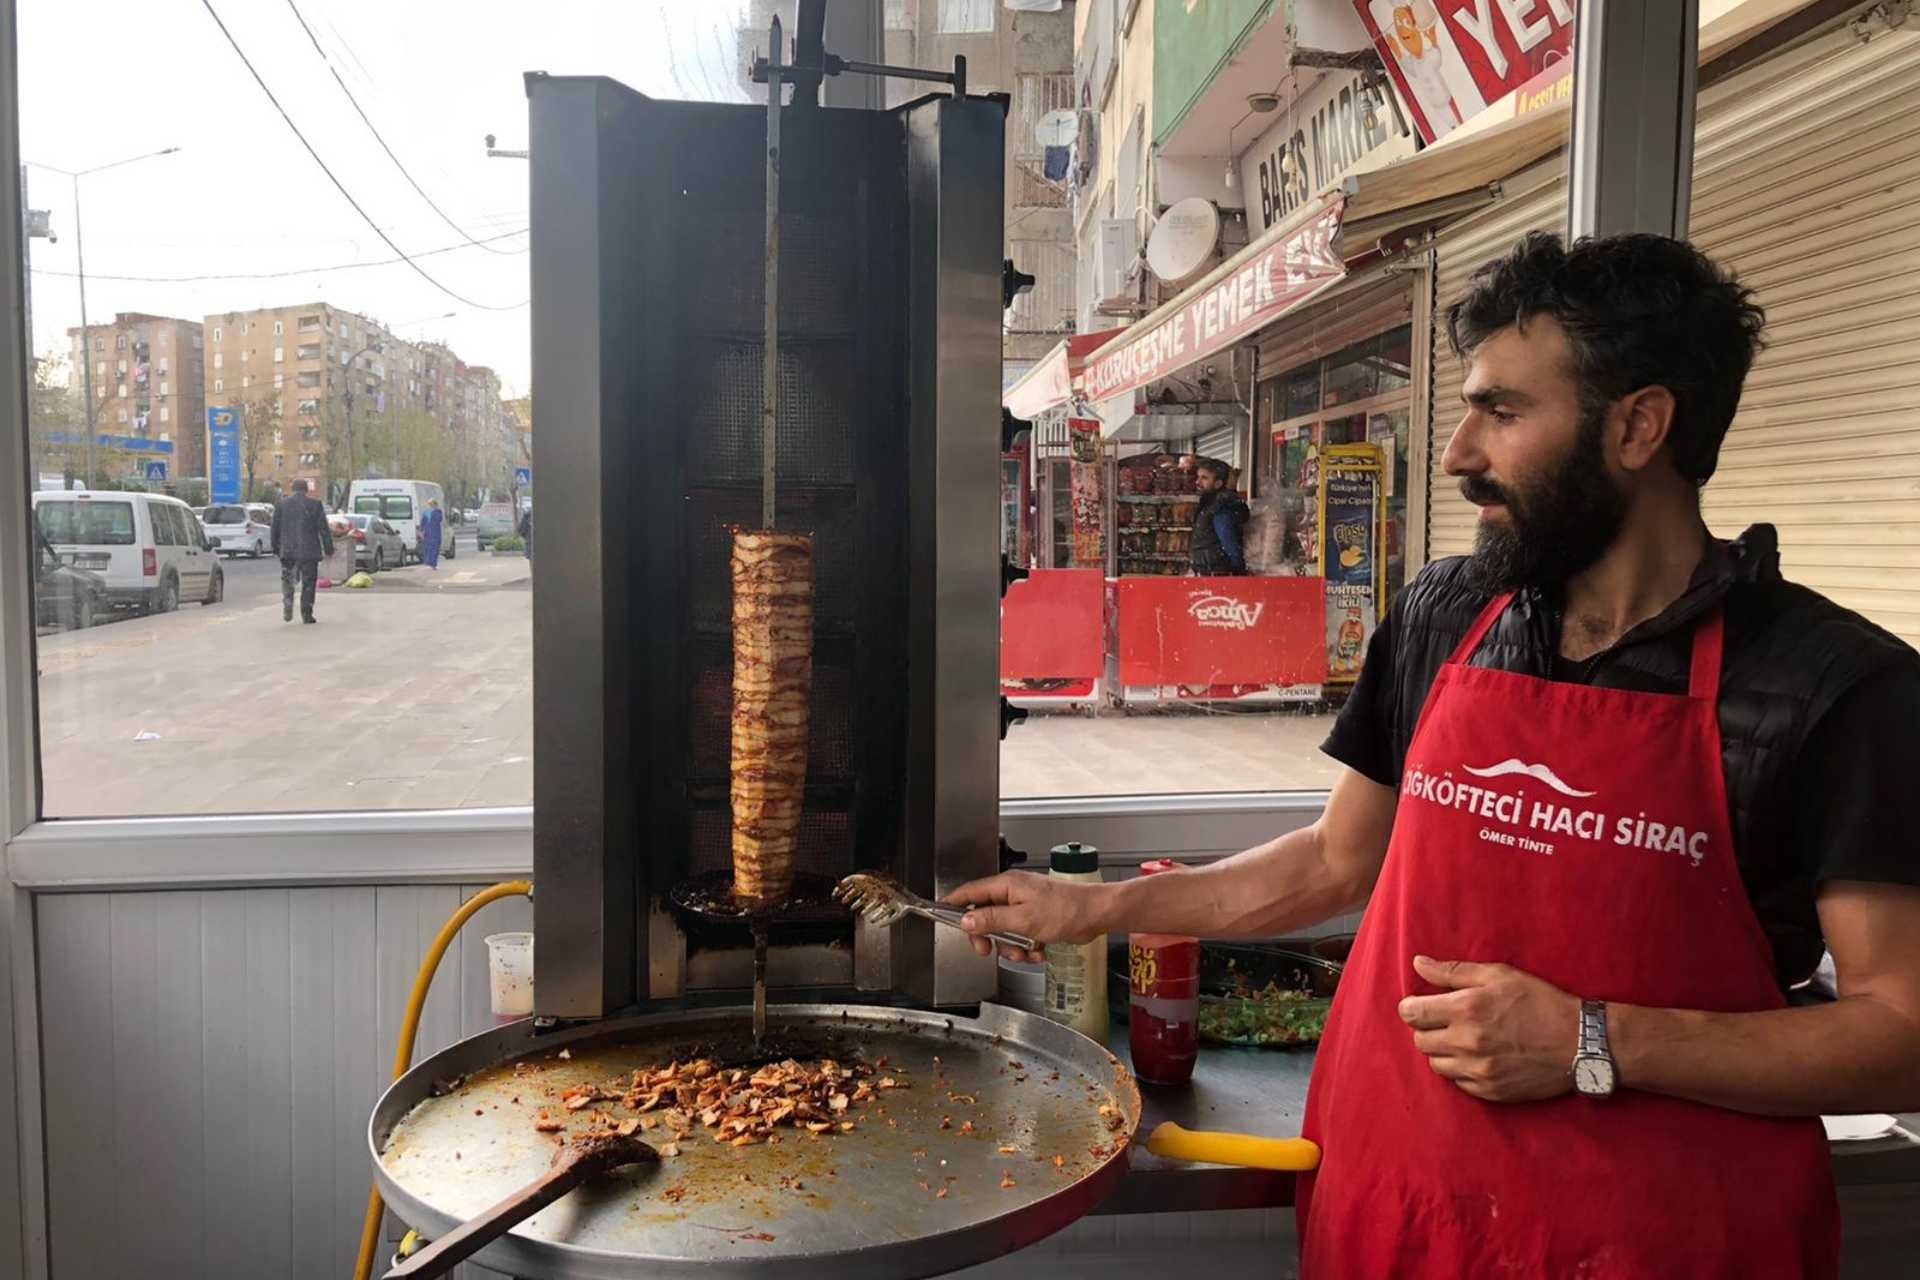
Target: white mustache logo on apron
point(1517, 821)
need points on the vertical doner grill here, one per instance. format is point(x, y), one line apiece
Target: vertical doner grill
point(649, 258)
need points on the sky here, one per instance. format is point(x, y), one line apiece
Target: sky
point(105, 80)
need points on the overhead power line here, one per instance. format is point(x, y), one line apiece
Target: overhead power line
point(298, 271)
point(338, 185)
point(361, 112)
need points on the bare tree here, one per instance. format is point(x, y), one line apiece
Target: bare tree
point(260, 418)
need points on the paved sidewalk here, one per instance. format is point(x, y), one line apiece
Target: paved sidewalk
point(1174, 753)
point(416, 693)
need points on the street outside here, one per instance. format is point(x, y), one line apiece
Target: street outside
point(417, 694)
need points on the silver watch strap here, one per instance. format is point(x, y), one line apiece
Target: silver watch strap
point(1593, 1029)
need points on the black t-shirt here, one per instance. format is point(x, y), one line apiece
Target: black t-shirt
point(1852, 777)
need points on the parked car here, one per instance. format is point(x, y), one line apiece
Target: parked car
point(376, 544)
point(234, 529)
point(495, 520)
point(402, 504)
point(147, 547)
point(63, 596)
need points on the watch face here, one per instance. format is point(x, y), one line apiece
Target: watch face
point(1593, 1076)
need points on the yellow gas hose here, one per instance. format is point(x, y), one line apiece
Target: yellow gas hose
point(410, 1025)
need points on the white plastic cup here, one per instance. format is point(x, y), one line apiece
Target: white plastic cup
point(510, 975)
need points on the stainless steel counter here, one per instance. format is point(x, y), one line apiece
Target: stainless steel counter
point(1264, 1091)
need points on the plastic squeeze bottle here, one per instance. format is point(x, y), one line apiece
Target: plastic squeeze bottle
point(1077, 974)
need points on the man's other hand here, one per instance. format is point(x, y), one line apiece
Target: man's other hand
point(1497, 1033)
point(1043, 909)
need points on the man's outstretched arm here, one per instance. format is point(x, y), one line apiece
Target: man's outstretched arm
point(1296, 880)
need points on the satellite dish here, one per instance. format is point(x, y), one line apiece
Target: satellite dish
point(1183, 240)
point(1056, 128)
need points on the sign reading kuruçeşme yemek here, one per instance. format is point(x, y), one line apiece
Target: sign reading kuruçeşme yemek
point(1282, 277)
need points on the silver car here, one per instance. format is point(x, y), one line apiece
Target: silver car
point(376, 544)
point(234, 529)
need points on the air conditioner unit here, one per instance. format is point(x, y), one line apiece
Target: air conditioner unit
point(1114, 253)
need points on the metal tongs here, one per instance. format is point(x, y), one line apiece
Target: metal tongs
point(883, 901)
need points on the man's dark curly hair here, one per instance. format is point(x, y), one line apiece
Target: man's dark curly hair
point(1638, 311)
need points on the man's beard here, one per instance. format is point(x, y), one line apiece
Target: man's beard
point(1556, 526)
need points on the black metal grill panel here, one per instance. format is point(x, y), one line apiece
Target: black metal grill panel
point(827, 514)
point(820, 262)
point(814, 434)
point(824, 846)
point(709, 723)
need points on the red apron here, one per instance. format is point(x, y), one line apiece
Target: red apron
point(1581, 835)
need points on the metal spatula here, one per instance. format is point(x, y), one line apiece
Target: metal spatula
point(884, 901)
point(574, 1164)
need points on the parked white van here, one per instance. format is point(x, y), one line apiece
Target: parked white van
point(148, 547)
point(402, 504)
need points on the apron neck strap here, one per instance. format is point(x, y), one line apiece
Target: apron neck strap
point(1478, 632)
point(1709, 642)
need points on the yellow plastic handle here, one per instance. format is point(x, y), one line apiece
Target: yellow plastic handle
point(1286, 1155)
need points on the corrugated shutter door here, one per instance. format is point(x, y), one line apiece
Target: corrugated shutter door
point(1450, 518)
point(1220, 443)
point(1373, 300)
point(1808, 186)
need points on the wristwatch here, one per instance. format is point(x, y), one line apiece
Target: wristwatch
point(1593, 1070)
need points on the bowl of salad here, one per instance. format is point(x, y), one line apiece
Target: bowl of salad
point(1259, 995)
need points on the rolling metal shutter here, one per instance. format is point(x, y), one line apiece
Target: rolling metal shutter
point(1372, 300)
point(1222, 443)
point(1537, 201)
point(1806, 184)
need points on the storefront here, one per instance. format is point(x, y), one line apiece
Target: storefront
point(1208, 375)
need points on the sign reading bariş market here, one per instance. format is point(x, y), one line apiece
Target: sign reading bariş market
point(1269, 283)
point(1453, 58)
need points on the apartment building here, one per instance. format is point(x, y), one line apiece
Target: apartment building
point(330, 381)
point(145, 371)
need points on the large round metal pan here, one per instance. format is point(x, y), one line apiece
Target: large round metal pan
point(1003, 1112)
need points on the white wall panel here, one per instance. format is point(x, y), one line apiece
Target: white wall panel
point(213, 1061)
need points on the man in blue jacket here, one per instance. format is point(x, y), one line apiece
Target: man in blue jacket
point(1218, 548)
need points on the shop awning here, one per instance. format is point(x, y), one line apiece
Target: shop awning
point(1052, 381)
point(1289, 265)
point(1464, 170)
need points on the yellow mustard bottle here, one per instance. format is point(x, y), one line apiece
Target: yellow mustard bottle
point(1077, 973)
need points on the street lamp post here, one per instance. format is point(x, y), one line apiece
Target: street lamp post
point(80, 269)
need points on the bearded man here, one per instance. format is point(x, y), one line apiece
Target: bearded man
point(1611, 786)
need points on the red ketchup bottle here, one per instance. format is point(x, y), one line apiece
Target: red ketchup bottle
point(1163, 1010)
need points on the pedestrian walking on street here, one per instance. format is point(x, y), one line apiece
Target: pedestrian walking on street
point(301, 540)
point(1218, 547)
point(432, 521)
point(526, 534)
